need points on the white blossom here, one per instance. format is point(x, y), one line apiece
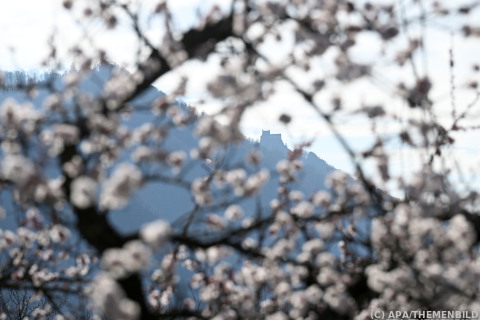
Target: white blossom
point(176, 160)
point(201, 191)
point(66, 133)
point(216, 222)
point(236, 177)
point(117, 190)
point(115, 261)
point(321, 199)
point(138, 254)
point(120, 262)
point(7, 239)
point(17, 169)
point(283, 289)
point(83, 192)
point(295, 195)
point(339, 300)
point(19, 116)
point(254, 183)
point(209, 292)
point(313, 246)
point(73, 167)
point(279, 315)
point(314, 294)
point(109, 299)
point(156, 234)
point(51, 192)
point(304, 209)
point(234, 212)
point(337, 180)
point(59, 233)
point(461, 232)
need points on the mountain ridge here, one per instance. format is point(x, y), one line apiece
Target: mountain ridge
point(309, 180)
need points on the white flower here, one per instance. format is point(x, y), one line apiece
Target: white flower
point(337, 180)
point(142, 154)
point(142, 133)
point(176, 160)
point(234, 212)
point(295, 195)
point(156, 234)
point(73, 167)
point(236, 177)
point(283, 219)
point(314, 294)
point(325, 259)
point(26, 237)
point(327, 276)
point(206, 148)
point(252, 275)
point(139, 255)
point(283, 167)
point(215, 253)
point(313, 246)
point(325, 229)
point(216, 222)
point(201, 191)
point(209, 127)
point(41, 312)
point(133, 257)
point(321, 199)
point(339, 300)
point(154, 299)
point(275, 204)
point(376, 278)
point(117, 87)
point(17, 169)
point(283, 289)
point(83, 192)
point(7, 239)
point(303, 210)
point(51, 192)
point(53, 102)
point(114, 261)
point(188, 303)
point(210, 292)
point(299, 301)
point(379, 232)
point(59, 233)
point(18, 116)
point(267, 306)
point(66, 133)
point(255, 183)
point(119, 187)
point(277, 316)
point(461, 232)
point(249, 243)
point(109, 299)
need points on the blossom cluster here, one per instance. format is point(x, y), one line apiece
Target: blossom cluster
point(249, 238)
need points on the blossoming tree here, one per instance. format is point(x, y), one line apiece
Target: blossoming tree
point(64, 170)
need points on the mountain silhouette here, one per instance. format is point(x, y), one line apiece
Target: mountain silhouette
point(159, 200)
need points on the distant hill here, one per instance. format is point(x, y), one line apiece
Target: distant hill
point(173, 203)
point(270, 145)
